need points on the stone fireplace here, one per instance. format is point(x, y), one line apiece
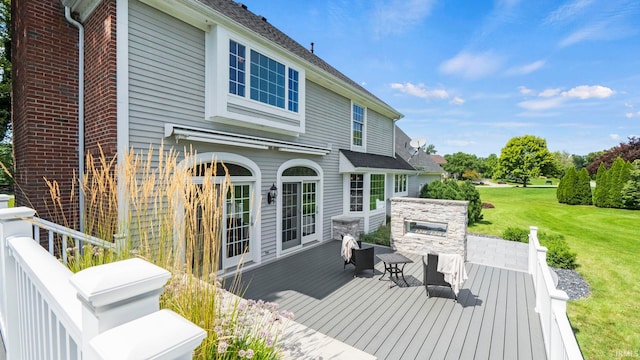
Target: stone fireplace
point(423, 226)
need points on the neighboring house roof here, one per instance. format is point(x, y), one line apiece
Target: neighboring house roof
point(438, 159)
point(239, 13)
point(421, 161)
point(374, 161)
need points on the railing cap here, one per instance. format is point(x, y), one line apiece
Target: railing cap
point(16, 213)
point(161, 335)
point(110, 283)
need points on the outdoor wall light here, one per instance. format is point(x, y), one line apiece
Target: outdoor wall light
point(273, 194)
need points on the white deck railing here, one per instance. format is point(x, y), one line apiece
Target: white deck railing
point(108, 311)
point(551, 305)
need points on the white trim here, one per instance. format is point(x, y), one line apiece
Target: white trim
point(363, 147)
point(122, 107)
point(319, 199)
point(251, 113)
point(180, 132)
point(200, 15)
point(255, 244)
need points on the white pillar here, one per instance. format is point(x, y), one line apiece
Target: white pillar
point(11, 225)
point(533, 240)
point(4, 201)
point(117, 293)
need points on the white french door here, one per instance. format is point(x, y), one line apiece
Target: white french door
point(299, 213)
point(237, 225)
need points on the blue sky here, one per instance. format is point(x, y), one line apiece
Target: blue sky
point(470, 75)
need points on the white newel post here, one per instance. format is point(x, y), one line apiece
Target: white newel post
point(123, 297)
point(533, 234)
point(11, 225)
point(4, 201)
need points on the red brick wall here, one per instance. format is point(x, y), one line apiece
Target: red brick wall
point(45, 95)
point(100, 80)
point(45, 116)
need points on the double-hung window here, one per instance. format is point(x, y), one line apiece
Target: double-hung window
point(270, 81)
point(356, 192)
point(358, 124)
point(400, 183)
point(376, 192)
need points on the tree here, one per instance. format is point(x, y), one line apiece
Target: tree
point(430, 149)
point(563, 162)
point(631, 190)
point(452, 190)
point(459, 162)
point(488, 165)
point(524, 158)
point(627, 151)
point(566, 191)
point(5, 68)
point(618, 176)
point(583, 194)
point(600, 193)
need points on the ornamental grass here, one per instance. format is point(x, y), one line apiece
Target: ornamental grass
point(171, 214)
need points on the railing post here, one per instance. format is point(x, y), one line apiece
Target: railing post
point(4, 201)
point(533, 241)
point(11, 225)
point(117, 293)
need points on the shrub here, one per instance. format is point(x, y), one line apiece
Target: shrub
point(452, 190)
point(558, 254)
point(516, 234)
point(382, 236)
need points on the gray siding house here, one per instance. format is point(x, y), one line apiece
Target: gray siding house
point(211, 75)
point(426, 172)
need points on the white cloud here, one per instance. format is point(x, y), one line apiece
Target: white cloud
point(629, 115)
point(588, 92)
point(510, 124)
point(472, 66)
point(421, 91)
point(396, 16)
point(526, 69)
point(614, 136)
point(525, 90)
point(567, 11)
point(590, 32)
point(456, 101)
point(628, 105)
point(550, 92)
point(540, 105)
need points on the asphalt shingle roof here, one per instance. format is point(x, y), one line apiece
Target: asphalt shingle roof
point(374, 161)
point(240, 14)
point(421, 161)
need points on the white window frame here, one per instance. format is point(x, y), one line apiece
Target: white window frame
point(402, 192)
point(380, 204)
point(255, 182)
point(252, 113)
point(362, 147)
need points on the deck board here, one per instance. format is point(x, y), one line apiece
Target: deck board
point(493, 317)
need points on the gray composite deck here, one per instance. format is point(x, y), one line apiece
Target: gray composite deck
point(494, 317)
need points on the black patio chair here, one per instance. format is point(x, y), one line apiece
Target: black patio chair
point(361, 258)
point(430, 274)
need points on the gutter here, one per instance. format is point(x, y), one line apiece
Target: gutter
point(81, 200)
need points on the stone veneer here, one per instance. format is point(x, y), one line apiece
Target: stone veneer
point(453, 213)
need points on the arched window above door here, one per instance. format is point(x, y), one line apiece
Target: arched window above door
point(299, 171)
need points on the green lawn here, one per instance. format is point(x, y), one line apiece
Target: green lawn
point(607, 242)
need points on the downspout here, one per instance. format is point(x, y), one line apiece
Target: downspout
point(72, 21)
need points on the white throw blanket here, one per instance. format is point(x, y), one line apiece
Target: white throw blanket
point(348, 243)
point(452, 266)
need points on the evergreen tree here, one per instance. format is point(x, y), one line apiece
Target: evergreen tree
point(451, 190)
point(600, 194)
point(631, 190)
point(560, 191)
point(583, 188)
point(617, 178)
point(570, 180)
